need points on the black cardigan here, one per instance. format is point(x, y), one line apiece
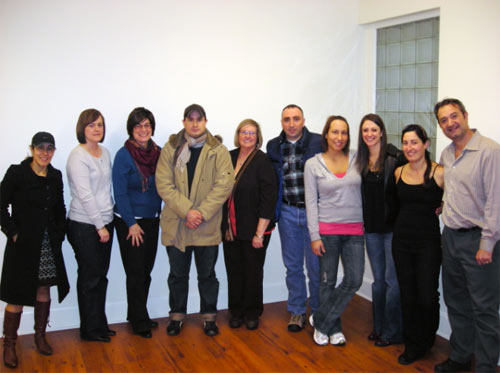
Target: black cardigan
point(393, 159)
point(36, 204)
point(255, 195)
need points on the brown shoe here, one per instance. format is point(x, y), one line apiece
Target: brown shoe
point(10, 325)
point(42, 310)
point(296, 323)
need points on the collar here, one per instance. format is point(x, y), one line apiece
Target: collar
point(303, 141)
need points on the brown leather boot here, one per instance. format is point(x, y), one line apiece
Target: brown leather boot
point(42, 310)
point(10, 325)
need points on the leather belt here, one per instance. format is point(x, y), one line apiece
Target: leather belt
point(299, 205)
point(465, 230)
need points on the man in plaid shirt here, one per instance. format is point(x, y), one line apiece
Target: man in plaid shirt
point(288, 152)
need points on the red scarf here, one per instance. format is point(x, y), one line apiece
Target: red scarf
point(144, 159)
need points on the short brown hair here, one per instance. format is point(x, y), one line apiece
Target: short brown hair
point(248, 122)
point(86, 117)
point(326, 128)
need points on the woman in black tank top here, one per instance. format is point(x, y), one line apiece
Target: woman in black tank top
point(417, 243)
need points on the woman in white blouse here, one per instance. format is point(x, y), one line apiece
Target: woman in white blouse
point(90, 227)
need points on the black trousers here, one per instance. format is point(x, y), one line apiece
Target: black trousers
point(205, 258)
point(417, 267)
point(138, 262)
point(245, 273)
point(93, 259)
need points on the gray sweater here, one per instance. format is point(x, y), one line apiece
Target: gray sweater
point(90, 185)
point(330, 199)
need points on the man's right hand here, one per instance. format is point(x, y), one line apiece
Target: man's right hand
point(193, 219)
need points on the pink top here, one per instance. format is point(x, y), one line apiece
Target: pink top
point(341, 228)
point(340, 174)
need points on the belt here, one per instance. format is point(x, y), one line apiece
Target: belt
point(465, 230)
point(299, 205)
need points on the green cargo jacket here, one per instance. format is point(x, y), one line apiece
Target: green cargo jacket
point(212, 184)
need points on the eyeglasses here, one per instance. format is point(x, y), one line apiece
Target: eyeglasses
point(251, 133)
point(46, 148)
point(145, 126)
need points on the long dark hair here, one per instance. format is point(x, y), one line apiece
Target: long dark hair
point(422, 135)
point(363, 157)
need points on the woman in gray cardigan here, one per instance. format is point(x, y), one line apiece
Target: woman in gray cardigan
point(335, 222)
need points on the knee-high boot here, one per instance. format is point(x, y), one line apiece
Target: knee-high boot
point(42, 310)
point(11, 322)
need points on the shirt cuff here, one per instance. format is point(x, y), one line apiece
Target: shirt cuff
point(315, 236)
point(486, 244)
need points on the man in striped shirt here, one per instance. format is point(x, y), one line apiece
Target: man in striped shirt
point(471, 257)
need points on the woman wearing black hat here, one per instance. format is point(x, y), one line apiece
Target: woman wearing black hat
point(35, 228)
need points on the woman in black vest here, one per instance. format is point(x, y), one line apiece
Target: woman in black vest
point(376, 161)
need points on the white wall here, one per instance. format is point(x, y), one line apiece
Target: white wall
point(238, 58)
point(468, 59)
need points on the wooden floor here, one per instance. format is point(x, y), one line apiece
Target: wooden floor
point(271, 348)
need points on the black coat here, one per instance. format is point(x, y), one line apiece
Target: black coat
point(36, 204)
point(255, 195)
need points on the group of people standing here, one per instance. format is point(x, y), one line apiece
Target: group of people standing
point(328, 202)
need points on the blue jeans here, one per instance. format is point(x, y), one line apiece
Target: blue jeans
point(205, 258)
point(386, 303)
point(333, 300)
point(295, 246)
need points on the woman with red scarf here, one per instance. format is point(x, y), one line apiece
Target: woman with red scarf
point(137, 212)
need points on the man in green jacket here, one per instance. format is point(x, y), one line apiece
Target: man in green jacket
point(194, 177)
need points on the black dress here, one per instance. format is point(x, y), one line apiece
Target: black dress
point(417, 255)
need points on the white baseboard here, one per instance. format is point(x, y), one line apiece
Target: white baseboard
point(62, 318)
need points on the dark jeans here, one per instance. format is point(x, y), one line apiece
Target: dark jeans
point(138, 262)
point(386, 304)
point(245, 273)
point(93, 259)
point(205, 258)
point(418, 276)
point(472, 296)
point(333, 300)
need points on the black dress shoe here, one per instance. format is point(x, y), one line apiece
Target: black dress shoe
point(111, 333)
point(452, 366)
point(153, 323)
point(384, 343)
point(144, 334)
point(407, 358)
point(235, 322)
point(174, 327)
point(102, 338)
point(252, 324)
point(210, 328)
point(373, 336)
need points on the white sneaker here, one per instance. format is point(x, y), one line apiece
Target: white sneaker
point(337, 339)
point(311, 320)
point(320, 338)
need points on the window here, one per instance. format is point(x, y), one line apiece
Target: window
point(407, 77)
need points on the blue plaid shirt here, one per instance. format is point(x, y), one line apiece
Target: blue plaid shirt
point(293, 172)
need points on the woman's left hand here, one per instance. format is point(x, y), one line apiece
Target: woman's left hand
point(135, 232)
point(257, 242)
